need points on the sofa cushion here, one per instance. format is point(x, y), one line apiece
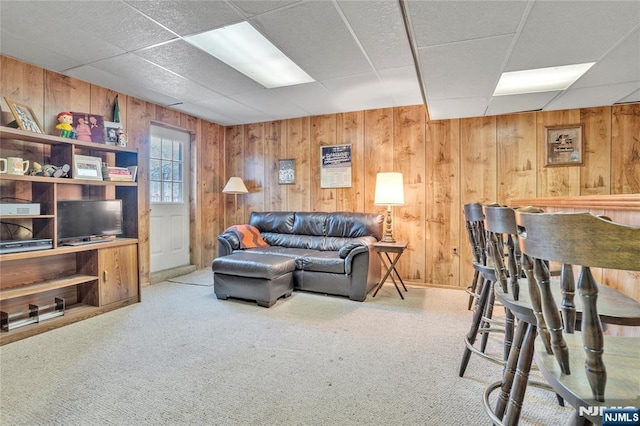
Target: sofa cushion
point(248, 235)
point(309, 223)
point(294, 253)
point(321, 261)
point(276, 222)
point(353, 225)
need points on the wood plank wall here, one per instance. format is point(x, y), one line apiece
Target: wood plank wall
point(445, 164)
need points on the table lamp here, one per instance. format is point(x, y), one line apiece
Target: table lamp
point(389, 192)
point(235, 186)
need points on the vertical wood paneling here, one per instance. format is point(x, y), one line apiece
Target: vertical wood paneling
point(299, 148)
point(234, 166)
point(24, 83)
point(478, 157)
point(63, 93)
point(517, 159)
point(275, 149)
point(168, 116)
point(254, 168)
point(139, 115)
point(443, 202)
point(210, 181)
point(350, 130)
point(323, 132)
point(625, 152)
point(558, 180)
point(596, 171)
point(379, 151)
point(409, 146)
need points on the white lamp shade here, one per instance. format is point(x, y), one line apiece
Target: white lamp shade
point(235, 186)
point(389, 189)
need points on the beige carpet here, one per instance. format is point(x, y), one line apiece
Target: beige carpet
point(182, 357)
point(202, 277)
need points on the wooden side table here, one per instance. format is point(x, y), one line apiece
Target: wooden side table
point(396, 248)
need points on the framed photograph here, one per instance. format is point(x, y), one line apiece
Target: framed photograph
point(24, 115)
point(88, 127)
point(111, 132)
point(564, 145)
point(85, 167)
point(287, 171)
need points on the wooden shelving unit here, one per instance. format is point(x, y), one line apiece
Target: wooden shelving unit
point(93, 278)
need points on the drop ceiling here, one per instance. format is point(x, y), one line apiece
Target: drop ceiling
point(363, 54)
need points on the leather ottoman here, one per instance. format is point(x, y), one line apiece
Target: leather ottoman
point(260, 277)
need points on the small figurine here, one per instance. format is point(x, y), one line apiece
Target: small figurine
point(65, 121)
point(122, 137)
point(36, 169)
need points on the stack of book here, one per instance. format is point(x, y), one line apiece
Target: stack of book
point(117, 174)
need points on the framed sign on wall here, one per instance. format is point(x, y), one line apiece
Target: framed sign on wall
point(335, 166)
point(564, 145)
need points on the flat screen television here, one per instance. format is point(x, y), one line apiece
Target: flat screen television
point(83, 219)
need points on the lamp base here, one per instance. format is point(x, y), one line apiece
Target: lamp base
point(388, 235)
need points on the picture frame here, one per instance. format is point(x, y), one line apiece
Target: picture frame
point(287, 171)
point(88, 127)
point(111, 132)
point(24, 115)
point(564, 145)
point(86, 167)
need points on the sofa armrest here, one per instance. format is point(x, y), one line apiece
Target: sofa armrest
point(227, 243)
point(353, 249)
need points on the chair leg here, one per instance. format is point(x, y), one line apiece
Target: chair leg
point(488, 314)
point(475, 326)
point(472, 289)
point(510, 370)
point(514, 407)
point(508, 333)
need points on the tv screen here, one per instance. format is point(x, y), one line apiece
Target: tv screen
point(83, 219)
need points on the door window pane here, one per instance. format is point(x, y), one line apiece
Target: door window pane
point(166, 171)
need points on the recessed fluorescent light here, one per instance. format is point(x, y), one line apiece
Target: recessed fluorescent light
point(242, 47)
point(540, 80)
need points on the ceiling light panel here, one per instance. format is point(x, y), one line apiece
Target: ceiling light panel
point(242, 47)
point(540, 79)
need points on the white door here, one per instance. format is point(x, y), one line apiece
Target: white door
point(169, 198)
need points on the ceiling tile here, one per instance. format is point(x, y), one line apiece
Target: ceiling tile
point(236, 110)
point(365, 90)
point(189, 17)
point(257, 7)
point(314, 36)
point(17, 47)
point(385, 42)
point(457, 108)
point(138, 71)
point(463, 70)
point(206, 113)
point(52, 32)
point(270, 103)
point(519, 103)
point(312, 97)
point(572, 32)
point(593, 96)
point(403, 86)
point(621, 65)
point(123, 85)
point(441, 22)
point(199, 67)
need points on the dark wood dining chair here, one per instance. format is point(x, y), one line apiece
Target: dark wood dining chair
point(481, 291)
point(587, 368)
point(474, 223)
